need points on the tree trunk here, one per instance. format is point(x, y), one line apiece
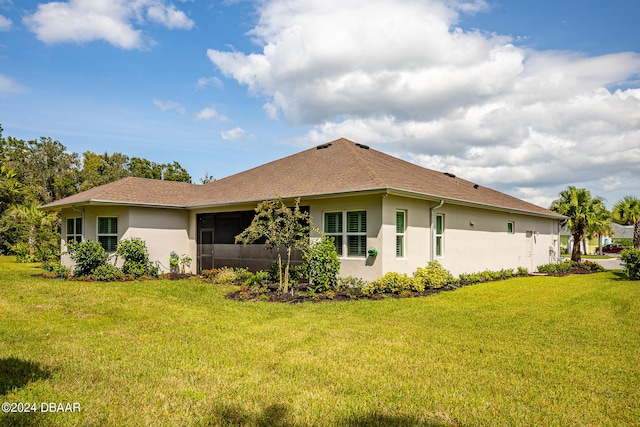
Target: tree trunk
point(599, 244)
point(286, 271)
point(32, 239)
point(575, 253)
point(279, 270)
point(636, 235)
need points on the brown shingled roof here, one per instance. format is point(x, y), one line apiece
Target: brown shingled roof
point(340, 166)
point(133, 191)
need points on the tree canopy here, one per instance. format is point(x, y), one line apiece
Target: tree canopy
point(39, 171)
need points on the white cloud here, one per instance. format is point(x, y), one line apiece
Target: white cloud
point(209, 81)
point(232, 134)
point(8, 85)
point(115, 21)
point(169, 105)
point(401, 75)
point(5, 23)
point(212, 115)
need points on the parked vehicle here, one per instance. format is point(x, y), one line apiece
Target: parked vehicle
point(611, 248)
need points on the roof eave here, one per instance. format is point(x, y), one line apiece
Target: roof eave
point(459, 202)
point(99, 202)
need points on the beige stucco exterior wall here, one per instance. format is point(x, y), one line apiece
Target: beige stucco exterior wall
point(163, 230)
point(477, 239)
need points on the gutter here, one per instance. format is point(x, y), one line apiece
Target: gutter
point(433, 230)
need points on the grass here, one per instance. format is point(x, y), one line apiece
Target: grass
point(528, 351)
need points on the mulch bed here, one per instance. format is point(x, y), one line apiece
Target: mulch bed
point(300, 294)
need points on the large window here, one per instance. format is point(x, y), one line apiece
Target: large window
point(108, 233)
point(349, 230)
point(74, 230)
point(401, 226)
point(439, 234)
point(333, 228)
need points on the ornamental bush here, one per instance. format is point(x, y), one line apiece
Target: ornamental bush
point(433, 276)
point(87, 256)
point(395, 283)
point(136, 257)
point(631, 260)
point(322, 264)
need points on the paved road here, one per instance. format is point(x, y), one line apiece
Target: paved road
point(610, 263)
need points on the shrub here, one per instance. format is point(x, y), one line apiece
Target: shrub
point(322, 264)
point(87, 255)
point(631, 261)
point(349, 283)
point(106, 273)
point(23, 253)
point(136, 257)
point(394, 282)
point(57, 269)
point(434, 275)
point(522, 271)
point(220, 276)
point(592, 266)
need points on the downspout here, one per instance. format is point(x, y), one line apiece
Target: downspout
point(433, 230)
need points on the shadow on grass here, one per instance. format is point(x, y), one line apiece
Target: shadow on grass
point(278, 415)
point(14, 374)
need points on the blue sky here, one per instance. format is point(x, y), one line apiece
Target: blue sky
point(524, 97)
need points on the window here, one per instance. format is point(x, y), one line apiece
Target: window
point(74, 230)
point(400, 231)
point(357, 233)
point(108, 233)
point(333, 228)
point(511, 227)
point(349, 228)
point(439, 234)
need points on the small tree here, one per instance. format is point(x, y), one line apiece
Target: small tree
point(282, 228)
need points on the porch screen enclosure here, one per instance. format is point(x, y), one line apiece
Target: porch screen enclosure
point(217, 247)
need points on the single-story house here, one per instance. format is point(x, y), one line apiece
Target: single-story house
point(385, 214)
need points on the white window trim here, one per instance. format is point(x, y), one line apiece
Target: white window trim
point(98, 234)
point(440, 235)
point(74, 234)
point(513, 227)
point(403, 235)
point(345, 234)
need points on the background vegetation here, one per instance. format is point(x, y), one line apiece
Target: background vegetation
point(36, 172)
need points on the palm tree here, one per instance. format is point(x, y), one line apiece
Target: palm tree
point(29, 216)
point(627, 212)
point(583, 213)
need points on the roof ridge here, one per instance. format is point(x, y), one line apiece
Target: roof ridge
point(351, 146)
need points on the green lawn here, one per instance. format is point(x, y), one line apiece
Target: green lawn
point(530, 351)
